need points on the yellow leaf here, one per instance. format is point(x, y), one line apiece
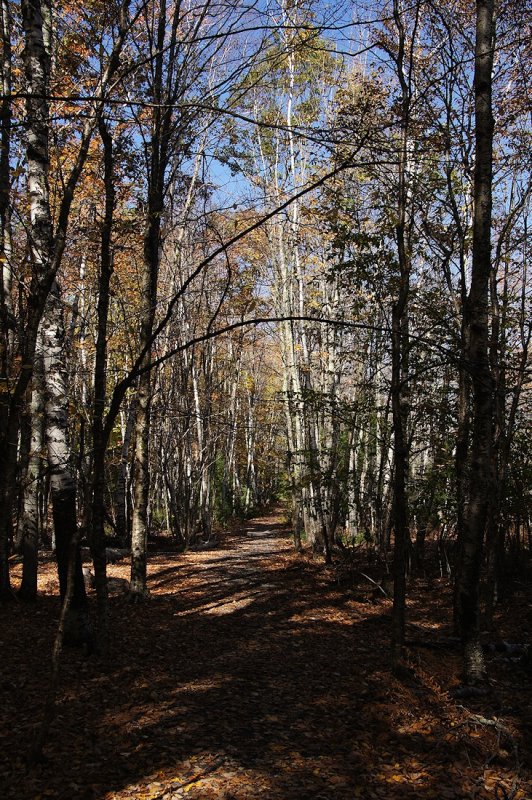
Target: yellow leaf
point(191, 785)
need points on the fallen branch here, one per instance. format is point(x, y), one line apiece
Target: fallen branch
point(500, 728)
point(375, 583)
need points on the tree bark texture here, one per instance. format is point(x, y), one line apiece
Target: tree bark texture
point(29, 523)
point(62, 480)
point(37, 71)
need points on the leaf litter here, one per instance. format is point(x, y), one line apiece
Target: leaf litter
point(253, 672)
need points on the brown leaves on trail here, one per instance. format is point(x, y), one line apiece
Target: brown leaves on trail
point(250, 673)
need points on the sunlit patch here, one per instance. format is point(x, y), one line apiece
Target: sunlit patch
point(326, 616)
point(231, 606)
point(223, 606)
point(163, 707)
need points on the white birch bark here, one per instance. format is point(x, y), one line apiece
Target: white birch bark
point(29, 523)
point(62, 478)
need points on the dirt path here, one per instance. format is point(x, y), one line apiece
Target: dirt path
point(249, 674)
point(241, 570)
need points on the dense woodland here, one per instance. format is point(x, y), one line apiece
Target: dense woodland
point(258, 253)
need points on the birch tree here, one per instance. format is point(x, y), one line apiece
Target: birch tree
point(47, 242)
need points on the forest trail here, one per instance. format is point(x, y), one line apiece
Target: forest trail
point(241, 570)
point(250, 673)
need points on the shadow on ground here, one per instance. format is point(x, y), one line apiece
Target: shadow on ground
point(245, 676)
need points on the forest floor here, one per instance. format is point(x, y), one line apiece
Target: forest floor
point(252, 672)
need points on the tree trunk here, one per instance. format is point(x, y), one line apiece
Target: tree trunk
point(29, 524)
point(97, 511)
point(161, 125)
point(123, 487)
point(62, 481)
point(46, 250)
point(400, 354)
point(400, 512)
point(477, 355)
point(141, 478)
point(139, 532)
point(37, 70)
point(6, 277)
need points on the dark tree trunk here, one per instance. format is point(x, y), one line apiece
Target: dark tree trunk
point(123, 484)
point(400, 501)
point(461, 462)
point(164, 90)
point(97, 512)
point(400, 356)
point(6, 311)
point(477, 355)
point(139, 533)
